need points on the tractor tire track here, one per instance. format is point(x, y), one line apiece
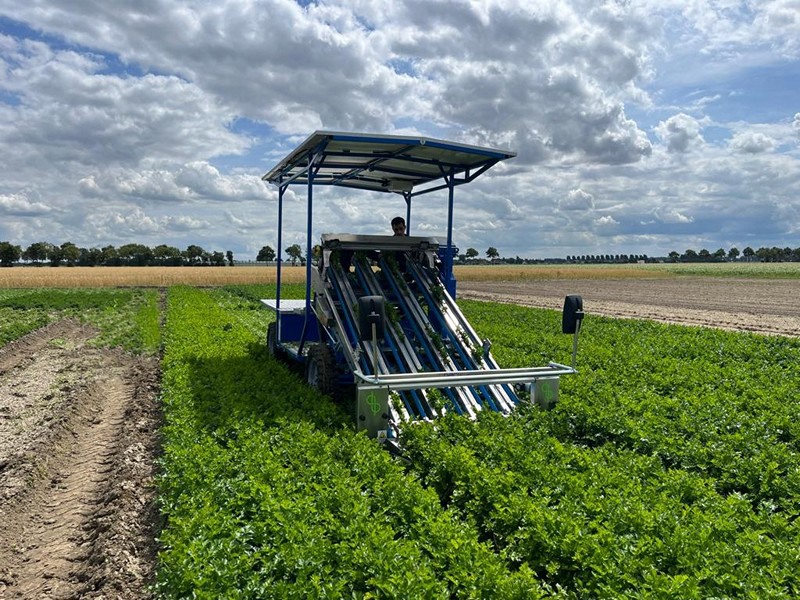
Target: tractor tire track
point(77, 497)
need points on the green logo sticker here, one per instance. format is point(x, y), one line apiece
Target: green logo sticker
point(373, 403)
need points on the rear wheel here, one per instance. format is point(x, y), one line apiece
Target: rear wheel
point(321, 369)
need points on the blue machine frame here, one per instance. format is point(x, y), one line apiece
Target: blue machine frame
point(405, 165)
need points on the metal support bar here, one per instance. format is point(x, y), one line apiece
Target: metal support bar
point(416, 381)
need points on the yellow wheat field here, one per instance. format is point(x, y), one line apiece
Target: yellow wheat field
point(72, 277)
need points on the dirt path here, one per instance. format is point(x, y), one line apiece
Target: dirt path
point(756, 305)
point(77, 457)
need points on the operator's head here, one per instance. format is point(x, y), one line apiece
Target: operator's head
point(399, 226)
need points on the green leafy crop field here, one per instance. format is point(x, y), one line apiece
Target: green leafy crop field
point(670, 468)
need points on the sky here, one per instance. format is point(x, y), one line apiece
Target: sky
point(640, 126)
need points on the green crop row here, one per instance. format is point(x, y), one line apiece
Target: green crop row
point(716, 403)
point(126, 318)
point(268, 492)
point(665, 427)
point(603, 522)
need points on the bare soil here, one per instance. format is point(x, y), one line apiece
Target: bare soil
point(78, 448)
point(754, 305)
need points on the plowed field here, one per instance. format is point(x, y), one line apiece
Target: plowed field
point(756, 305)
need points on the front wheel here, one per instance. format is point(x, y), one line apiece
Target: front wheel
point(321, 369)
point(272, 341)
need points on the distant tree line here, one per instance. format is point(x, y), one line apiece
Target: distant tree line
point(773, 254)
point(126, 255)
point(164, 255)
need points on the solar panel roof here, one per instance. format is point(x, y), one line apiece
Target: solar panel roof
point(384, 163)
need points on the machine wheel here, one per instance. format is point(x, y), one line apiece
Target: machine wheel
point(272, 341)
point(321, 369)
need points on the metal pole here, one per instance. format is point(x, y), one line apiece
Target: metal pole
point(281, 190)
point(407, 196)
point(448, 258)
point(309, 221)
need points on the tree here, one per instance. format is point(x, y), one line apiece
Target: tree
point(295, 253)
point(748, 253)
point(135, 254)
point(167, 255)
point(110, 256)
point(194, 254)
point(266, 254)
point(471, 253)
point(90, 257)
point(217, 259)
point(733, 253)
point(37, 252)
point(719, 254)
point(70, 253)
point(492, 253)
point(56, 255)
point(9, 254)
point(229, 255)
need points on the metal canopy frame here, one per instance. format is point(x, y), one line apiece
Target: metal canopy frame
point(405, 165)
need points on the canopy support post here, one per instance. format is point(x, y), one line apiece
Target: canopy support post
point(407, 196)
point(281, 189)
point(449, 280)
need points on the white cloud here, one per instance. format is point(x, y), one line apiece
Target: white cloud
point(577, 199)
point(606, 221)
point(680, 132)
point(176, 183)
point(673, 216)
point(153, 122)
point(21, 205)
point(752, 143)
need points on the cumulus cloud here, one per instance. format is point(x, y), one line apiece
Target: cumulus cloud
point(731, 26)
point(171, 183)
point(21, 205)
point(363, 66)
point(672, 216)
point(606, 221)
point(71, 111)
point(680, 133)
point(577, 199)
point(752, 143)
point(185, 223)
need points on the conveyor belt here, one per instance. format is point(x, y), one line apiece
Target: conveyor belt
point(426, 335)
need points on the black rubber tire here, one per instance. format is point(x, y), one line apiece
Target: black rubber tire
point(272, 341)
point(321, 369)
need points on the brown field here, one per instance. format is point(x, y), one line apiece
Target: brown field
point(767, 306)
